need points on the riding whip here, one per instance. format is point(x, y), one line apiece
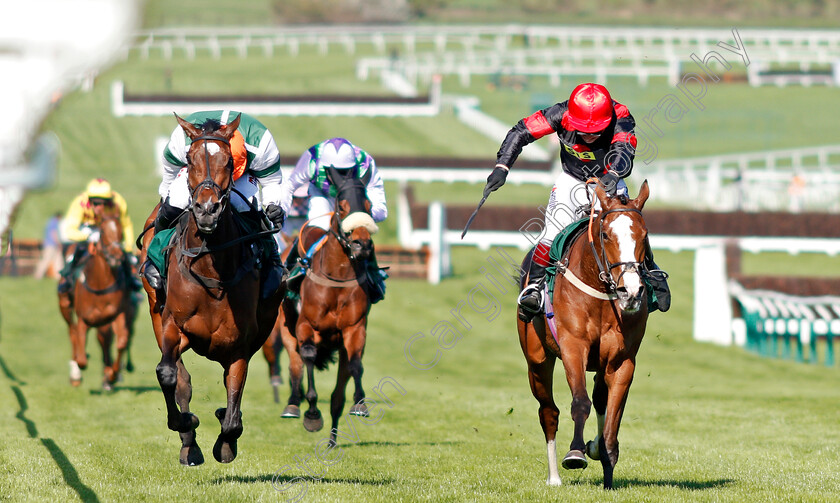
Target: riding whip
point(472, 217)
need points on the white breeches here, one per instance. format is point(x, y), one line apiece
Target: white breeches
point(566, 204)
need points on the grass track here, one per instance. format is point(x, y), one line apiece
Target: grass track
point(703, 423)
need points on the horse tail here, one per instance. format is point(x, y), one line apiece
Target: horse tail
point(524, 268)
point(324, 357)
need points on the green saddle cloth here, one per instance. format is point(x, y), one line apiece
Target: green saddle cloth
point(158, 247)
point(249, 224)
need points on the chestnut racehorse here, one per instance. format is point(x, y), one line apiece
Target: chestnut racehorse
point(600, 314)
point(101, 299)
point(334, 306)
point(212, 301)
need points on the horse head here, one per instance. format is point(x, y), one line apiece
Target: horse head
point(109, 245)
point(352, 221)
point(622, 235)
point(210, 170)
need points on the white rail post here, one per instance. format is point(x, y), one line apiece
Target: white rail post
point(712, 305)
point(437, 228)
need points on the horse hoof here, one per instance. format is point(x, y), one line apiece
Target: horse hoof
point(575, 460)
point(276, 380)
point(592, 450)
point(224, 452)
point(191, 455)
point(75, 382)
point(359, 409)
point(291, 412)
point(313, 421)
point(106, 386)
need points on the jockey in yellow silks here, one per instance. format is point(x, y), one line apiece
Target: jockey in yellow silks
point(79, 226)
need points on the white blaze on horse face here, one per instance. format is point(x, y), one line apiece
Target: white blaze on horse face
point(622, 229)
point(212, 148)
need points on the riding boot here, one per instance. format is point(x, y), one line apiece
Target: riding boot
point(531, 298)
point(166, 216)
point(276, 274)
point(67, 276)
point(376, 278)
point(296, 274)
point(658, 281)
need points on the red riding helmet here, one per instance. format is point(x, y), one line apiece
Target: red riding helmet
point(590, 108)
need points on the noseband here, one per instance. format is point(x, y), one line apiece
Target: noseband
point(605, 267)
point(208, 182)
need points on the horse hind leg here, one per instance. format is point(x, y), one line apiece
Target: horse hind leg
point(338, 398)
point(292, 410)
point(191, 454)
point(355, 344)
point(230, 417)
point(540, 377)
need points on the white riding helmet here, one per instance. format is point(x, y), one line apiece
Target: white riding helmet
point(338, 153)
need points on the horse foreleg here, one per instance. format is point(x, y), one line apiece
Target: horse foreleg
point(191, 454)
point(231, 417)
point(540, 377)
point(312, 419)
point(167, 374)
point(599, 401)
point(338, 397)
point(78, 341)
point(105, 335)
point(618, 385)
point(574, 361)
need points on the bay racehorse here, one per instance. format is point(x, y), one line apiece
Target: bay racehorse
point(600, 313)
point(334, 306)
point(212, 301)
point(102, 299)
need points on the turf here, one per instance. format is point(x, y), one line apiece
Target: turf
point(703, 423)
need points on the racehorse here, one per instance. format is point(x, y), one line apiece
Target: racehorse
point(101, 299)
point(600, 314)
point(334, 306)
point(212, 301)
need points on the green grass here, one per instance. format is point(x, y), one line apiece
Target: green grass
point(703, 423)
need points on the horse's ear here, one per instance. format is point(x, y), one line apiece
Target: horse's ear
point(189, 128)
point(644, 193)
point(228, 129)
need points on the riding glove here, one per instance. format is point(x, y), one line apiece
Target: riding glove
point(276, 214)
point(495, 180)
point(610, 183)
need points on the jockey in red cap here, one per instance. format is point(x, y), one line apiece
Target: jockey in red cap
point(596, 140)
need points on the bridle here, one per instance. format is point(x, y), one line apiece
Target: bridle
point(208, 182)
point(605, 267)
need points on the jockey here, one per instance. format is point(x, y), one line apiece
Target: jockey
point(256, 174)
point(597, 140)
point(311, 171)
point(78, 227)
